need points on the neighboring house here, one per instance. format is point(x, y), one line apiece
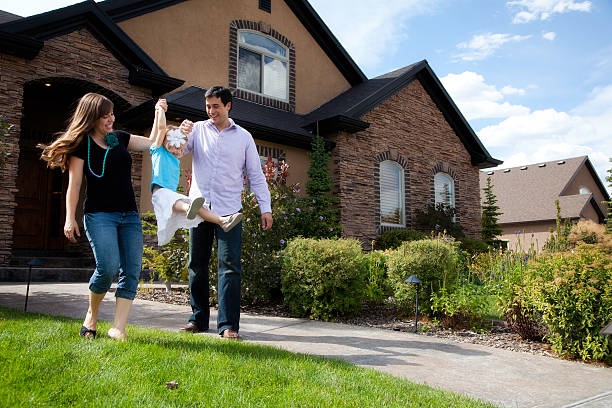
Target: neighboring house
point(526, 196)
point(398, 141)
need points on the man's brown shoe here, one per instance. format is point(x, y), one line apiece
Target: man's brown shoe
point(190, 328)
point(230, 334)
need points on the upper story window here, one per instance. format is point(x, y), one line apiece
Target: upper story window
point(584, 190)
point(263, 65)
point(392, 205)
point(444, 188)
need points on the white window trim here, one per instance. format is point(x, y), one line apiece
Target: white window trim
point(452, 191)
point(262, 53)
point(402, 194)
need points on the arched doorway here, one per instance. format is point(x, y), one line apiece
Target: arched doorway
point(40, 199)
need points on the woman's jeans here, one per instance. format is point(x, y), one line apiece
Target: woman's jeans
point(116, 241)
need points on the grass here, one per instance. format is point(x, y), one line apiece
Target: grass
point(44, 363)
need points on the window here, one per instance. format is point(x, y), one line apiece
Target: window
point(391, 193)
point(444, 188)
point(584, 190)
point(263, 65)
point(265, 5)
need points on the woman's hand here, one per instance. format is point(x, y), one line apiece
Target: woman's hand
point(71, 230)
point(162, 104)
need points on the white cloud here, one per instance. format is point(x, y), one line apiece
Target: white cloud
point(531, 10)
point(545, 135)
point(478, 100)
point(484, 45)
point(549, 36)
point(510, 90)
point(370, 33)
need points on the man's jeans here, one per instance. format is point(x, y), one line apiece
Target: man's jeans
point(229, 246)
point(116, 241)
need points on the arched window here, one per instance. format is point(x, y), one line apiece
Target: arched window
point(444, 188)
point(263, 65)
point(392, 206)
point(584, 190)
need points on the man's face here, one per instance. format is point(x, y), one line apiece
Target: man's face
point(218, 112)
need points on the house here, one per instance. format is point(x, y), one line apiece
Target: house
point(398, 141)
point(526, 196)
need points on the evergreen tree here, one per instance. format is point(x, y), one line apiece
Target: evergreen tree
point(609, 203)
point(490, 213)
point(318, 214)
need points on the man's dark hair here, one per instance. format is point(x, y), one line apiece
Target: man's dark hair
point(219, 92)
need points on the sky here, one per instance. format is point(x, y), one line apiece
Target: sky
point(533, 78)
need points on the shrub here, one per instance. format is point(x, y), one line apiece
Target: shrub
point(434, 261)
point(574, 294)
point(439, 218)
point(589, 232)
point(323, 278)
point(169, 261)
point(474, 246)
point(461, 306)
point(394, 238)
point(377, 287)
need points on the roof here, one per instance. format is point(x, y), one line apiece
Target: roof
point(527, 193)
point(5, 16)
point(362, 98)
point(25, 37)
point(264, 123)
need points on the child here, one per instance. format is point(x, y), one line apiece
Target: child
point(174, 210)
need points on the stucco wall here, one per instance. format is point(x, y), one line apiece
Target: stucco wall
point(584, 179)
point(190, 41)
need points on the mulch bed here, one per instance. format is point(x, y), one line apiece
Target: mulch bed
point(383, 317)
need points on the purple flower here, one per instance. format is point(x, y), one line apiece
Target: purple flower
point(463, 282)
point(253, 235)
point(285, 218)
point(297, 190)
point(331, 229)
point(298, 209)
point(320, 218)
point(282, 241)
point(313, 201)
point(310, 208)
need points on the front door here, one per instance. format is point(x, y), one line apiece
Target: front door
point(40, 198)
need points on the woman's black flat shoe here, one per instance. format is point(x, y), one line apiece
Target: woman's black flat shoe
point(84, 331)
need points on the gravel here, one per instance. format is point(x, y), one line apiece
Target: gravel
point(385, 317)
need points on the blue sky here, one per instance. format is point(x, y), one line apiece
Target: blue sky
point(532, 77)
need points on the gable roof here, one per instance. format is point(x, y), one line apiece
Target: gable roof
point(527, 193)
point(25, 37)
point(362, 98)
point(264, 123)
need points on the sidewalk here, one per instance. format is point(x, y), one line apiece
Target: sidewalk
point(505, 378)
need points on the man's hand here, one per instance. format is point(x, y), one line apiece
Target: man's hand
point(266, 221)
point(186, 127)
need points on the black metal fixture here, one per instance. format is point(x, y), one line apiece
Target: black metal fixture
point(32, 262)
point(415, 281)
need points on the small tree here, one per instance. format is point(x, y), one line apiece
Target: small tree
point(439, 218)
point(318, 214)
point(490, 212)
point(609, 203)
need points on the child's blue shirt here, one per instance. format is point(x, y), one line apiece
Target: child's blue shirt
point(164, 167)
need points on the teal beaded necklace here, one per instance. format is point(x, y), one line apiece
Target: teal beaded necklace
point(111, 141)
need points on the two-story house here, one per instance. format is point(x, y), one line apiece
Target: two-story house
point(398, 141)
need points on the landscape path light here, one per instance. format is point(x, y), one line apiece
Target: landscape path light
point(606, 330)
point(32, 262)
point(415, 281)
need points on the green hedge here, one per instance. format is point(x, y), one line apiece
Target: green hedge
point(324, 278)
point(433, 261)
point(394, 238)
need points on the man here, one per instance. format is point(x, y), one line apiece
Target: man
point(222, 151)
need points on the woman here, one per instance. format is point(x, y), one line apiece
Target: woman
point(89, 147)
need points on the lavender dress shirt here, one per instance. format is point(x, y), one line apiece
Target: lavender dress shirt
point(218, 164)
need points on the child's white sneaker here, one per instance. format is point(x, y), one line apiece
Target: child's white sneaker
point(194, 207)
point(230, 221)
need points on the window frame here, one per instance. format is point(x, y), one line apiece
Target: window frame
point(263, 54)
point(401, 194)
point(452, 189)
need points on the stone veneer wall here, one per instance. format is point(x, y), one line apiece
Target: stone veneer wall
point(75, 55)
point(409, 129)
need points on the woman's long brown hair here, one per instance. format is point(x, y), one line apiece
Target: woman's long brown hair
point(91, 107)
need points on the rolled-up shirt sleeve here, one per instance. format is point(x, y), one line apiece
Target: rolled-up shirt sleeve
point(256, 177)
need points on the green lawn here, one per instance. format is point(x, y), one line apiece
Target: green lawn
point(43, 362)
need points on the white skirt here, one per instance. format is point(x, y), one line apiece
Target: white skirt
point(169, 221)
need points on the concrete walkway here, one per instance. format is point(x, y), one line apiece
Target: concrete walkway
point(505, 378)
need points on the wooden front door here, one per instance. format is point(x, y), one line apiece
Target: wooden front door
point(40, 212)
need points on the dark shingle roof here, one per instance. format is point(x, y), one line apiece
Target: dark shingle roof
point(5, 17)
point(528, 193)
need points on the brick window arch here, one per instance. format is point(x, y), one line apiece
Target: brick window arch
point(391, 177)
point(265, 31)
